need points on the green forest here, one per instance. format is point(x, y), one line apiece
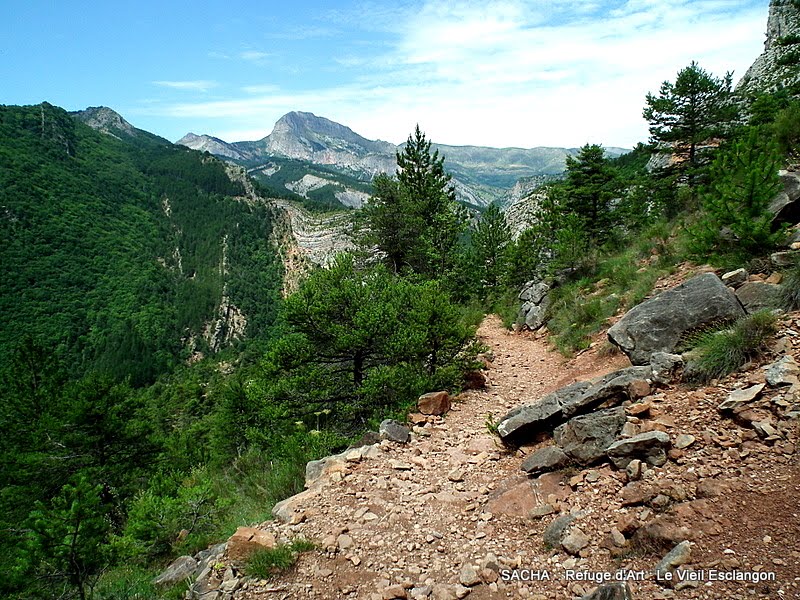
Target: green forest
point(134, 442)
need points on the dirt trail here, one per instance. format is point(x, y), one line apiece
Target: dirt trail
point(416, 520)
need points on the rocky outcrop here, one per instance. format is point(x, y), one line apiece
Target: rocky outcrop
point(650, 447)
point(759, 295)
point(434, 403)
point(658, 324)
point(536, 300)
point(318, 237)
point(779, 65)
point(526, 422)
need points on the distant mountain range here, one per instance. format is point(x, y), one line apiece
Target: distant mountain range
point(481, 174)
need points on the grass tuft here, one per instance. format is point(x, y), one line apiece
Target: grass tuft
point(720, 352)
point(269, 562)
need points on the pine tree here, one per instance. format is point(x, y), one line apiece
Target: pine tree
point(689, 113)
point(590, 189)
point(490, 240)
point(744, 180)
point(413, 218)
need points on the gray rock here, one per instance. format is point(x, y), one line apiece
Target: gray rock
point(649, 447)
point(738, 398)
point(525, 421)
point(586, 437)
point(611, 388)
point(785, 205)
point(611, 591)
point(534, 292)
point(665, 367)
point(317, 468)
point(679, 555)
point(575, 541)
point(544, 460)
point(394, 432)
point(784, 259)
point(735, 278)
point(179, 569)
point(757, 295)
point(657, 325)
point(783, 371)
point(557, 530)
point(535, 315)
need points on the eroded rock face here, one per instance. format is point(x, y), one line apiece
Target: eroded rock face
point(658, 324)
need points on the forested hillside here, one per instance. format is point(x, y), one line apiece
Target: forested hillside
point(114, 246)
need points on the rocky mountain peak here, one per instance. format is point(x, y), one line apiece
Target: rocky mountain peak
point(208, 143)
point(105, 120)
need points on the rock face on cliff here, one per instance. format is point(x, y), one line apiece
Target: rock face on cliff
point(779, 64)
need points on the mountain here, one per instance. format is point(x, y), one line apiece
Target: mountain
point(123, 252)
point(481, 175)
point(778, 67)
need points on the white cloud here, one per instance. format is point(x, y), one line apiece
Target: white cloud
point(254, 55)
point(197, 85)
point(511, 72)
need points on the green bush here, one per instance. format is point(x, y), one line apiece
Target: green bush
point(268, 562)
point(720, 352)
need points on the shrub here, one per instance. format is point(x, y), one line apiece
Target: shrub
point(268, 562)
point(720, 352)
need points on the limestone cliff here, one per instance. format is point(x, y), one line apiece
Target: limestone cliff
point(779, 64)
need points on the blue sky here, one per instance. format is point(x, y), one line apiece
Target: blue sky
point(496, 73)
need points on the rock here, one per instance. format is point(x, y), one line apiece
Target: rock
point(288, 510)
point(586, 437)
point(775, 278)
point(534, 291)
point(551, 458)
point(394, 592)
point(525, 422)
point(247, 540)
point(557, 530)
point(575, 541)
point(180, 569)
point(783, 371)
point(394, 432)
point(611, 591)
point(634, 470)
point(434, 403)
point(658, 324)
point(735, 278)
point(638, 388)
point(679, 555)
point(757, 295)
point(665, 366)
point(738, 398)
point(784, 259)
point(468, 576)
point(684, 440)
point(650, 447)
point(536, 301)
point(474, 380)
point(317, 469)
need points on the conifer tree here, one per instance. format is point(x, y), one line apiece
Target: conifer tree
point(689, 113)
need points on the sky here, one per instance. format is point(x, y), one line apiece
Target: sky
point(501, 73)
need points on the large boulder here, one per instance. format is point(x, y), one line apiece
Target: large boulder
point(525, 422)
point(536, 301)
point(785, 206)
point(658, 324)
point(586, 437)
point(394, 432)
